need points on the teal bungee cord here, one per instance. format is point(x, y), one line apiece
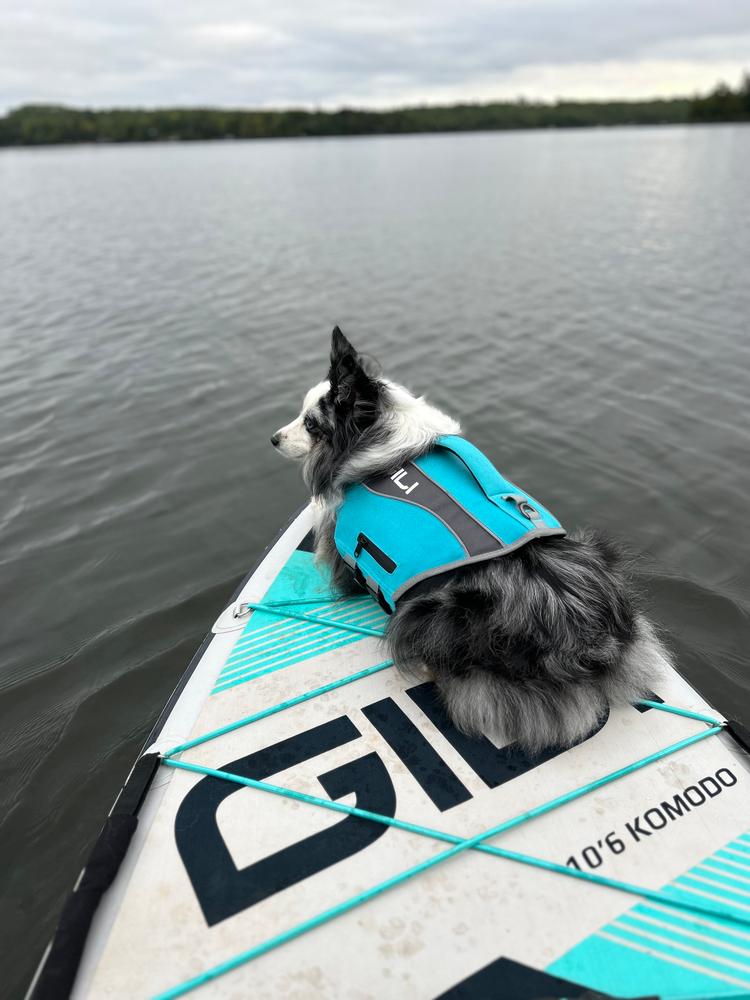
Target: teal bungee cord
point(678, 711)
point(290, 703)
point(460, 845)
point(654, 894)
point(363, 897)
point(300, 616)
point(323, 599)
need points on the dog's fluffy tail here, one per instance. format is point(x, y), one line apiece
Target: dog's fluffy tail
point(533, 647)
point(534, 713)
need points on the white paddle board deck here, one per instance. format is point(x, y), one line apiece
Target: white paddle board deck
point(216, 869)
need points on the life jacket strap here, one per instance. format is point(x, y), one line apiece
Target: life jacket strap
point(372, 588)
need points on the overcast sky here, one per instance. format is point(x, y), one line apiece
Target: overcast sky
point(374, 53)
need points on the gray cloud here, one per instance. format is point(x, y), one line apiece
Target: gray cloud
point(372, 52)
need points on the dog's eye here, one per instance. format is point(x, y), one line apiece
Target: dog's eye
point(310, 424)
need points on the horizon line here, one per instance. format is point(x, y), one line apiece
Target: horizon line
point(329, 110)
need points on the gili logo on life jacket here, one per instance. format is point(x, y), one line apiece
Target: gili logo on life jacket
point(398, 478)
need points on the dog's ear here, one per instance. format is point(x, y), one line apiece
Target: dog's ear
point(341, 349)
point(354, 392)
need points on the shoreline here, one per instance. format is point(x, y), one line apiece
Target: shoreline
point(230, 140)
point(54, 124)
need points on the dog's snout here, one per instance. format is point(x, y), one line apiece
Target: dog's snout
point(275, 438)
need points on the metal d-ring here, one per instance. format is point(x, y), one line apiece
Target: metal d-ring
point(240, 609)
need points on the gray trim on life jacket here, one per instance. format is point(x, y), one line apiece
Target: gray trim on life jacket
point(545, 532)
point(432, 515)
point(473, 536)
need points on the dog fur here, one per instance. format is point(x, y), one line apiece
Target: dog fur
point(529, 648)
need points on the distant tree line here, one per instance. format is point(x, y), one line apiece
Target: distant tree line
point(43, 124)
point(723, 104)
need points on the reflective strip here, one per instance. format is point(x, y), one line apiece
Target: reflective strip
point(473, 536)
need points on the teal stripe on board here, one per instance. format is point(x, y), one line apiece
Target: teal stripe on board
point(708, 870)
point(736, 860)
point(629, 969)
point(269, 643)
point(279, 627)
point(288, 652)
point(707, 895)
point(280, 665)
point(729, 896)
point(671, 948)
point(741, 875)
point(706, 926)
point(735, 957)
point(653, 950)
point(300, 638)
point(271, 634)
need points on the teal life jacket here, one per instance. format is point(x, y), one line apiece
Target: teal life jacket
point(448, 508)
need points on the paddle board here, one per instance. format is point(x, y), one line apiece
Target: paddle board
point(202, 885)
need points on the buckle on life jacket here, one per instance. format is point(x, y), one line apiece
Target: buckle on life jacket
point(523, 505)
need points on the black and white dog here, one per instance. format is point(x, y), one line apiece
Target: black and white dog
point(530, 647)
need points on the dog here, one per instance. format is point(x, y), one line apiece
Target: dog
point(531, 647)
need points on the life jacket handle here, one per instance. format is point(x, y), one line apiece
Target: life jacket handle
point(492, 484)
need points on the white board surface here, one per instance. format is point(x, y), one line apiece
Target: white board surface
point(215, 868)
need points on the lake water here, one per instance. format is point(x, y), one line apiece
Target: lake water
point(579, 300)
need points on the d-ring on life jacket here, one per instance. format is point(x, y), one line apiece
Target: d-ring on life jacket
point(447, 508)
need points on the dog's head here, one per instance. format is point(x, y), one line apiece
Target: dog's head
point(356, 423)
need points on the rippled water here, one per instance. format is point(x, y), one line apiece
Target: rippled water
point(580, 300)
